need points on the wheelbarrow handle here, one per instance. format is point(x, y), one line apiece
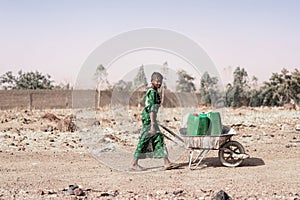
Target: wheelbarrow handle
point(171, 139)
point(171, 132)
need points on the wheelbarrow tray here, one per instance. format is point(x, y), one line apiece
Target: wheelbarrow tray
point(206, 142)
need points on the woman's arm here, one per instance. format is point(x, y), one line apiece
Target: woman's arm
point(153, 122)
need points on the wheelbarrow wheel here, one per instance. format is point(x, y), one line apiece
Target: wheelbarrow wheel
point(228, 154)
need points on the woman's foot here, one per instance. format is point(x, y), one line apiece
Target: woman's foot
point(137, 168)
point(172, 166)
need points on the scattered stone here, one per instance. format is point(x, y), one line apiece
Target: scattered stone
point(70, 189)
point(78, 192)
point(110, 138)
point(110, 193)
point(221, 195)
point(290, 145)
point(248, 135)
point(108, 149)
point(67, 124)
point(26, 121)
point(50, 192)
point(178, 192)
point(40, 192)
point(96, 123)
point(50, 117)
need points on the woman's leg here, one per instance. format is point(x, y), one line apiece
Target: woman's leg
point(159, 147)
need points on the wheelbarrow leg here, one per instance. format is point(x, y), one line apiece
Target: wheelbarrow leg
point(200, 157)
point(191, 158)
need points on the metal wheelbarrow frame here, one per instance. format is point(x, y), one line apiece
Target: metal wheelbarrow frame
point(231, 153)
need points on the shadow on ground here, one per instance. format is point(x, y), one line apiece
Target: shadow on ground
point(215, 162)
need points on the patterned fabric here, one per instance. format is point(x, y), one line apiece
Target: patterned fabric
point(150, 145)
point(152, 104)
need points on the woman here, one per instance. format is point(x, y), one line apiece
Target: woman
point(151, 135)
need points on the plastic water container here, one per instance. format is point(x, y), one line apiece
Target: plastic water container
point(203, 124)
point(215, 124)
point(197, 125)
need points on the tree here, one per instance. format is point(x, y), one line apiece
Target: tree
point(295, 85)
point(102, 82)
point(140, 83)
point(164, 84)
point(123, 86)
point(208, 89)
point(281, 88)
point(185, 82)
point(140, 79)
point(8, 81)
point(236, 94)
point(26, 80)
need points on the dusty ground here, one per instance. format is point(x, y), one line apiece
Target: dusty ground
point(37, 161)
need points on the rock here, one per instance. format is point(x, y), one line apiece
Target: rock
point(78, 192)
point(110, 193)
point(177, 192)
point(107, 149)
point(26, 121)
point(221, 195)
point(290, 145)
point(50, 192)
point(50, 117)
point(111, 138)
point(70, 189)
point(96, 123)
point(67, 124)
point(40, 192)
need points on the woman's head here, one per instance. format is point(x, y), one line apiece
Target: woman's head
point(156, 79)
point(156, 76)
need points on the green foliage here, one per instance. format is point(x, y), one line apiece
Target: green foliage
point(281, 88)
point(208, 89)
point(185, 82)
point(26, 80)
point(140, 79)
point(237, 94)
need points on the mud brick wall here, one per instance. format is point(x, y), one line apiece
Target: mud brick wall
point(35, 99)
point(14, 99)
point(84, 99)
point(50, 99)
point(64, 99)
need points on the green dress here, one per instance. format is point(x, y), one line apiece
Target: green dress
point(150, 145)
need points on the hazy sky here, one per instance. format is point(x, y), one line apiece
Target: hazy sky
point(57, 36)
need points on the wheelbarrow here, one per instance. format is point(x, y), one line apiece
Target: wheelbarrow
point(231, 153)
